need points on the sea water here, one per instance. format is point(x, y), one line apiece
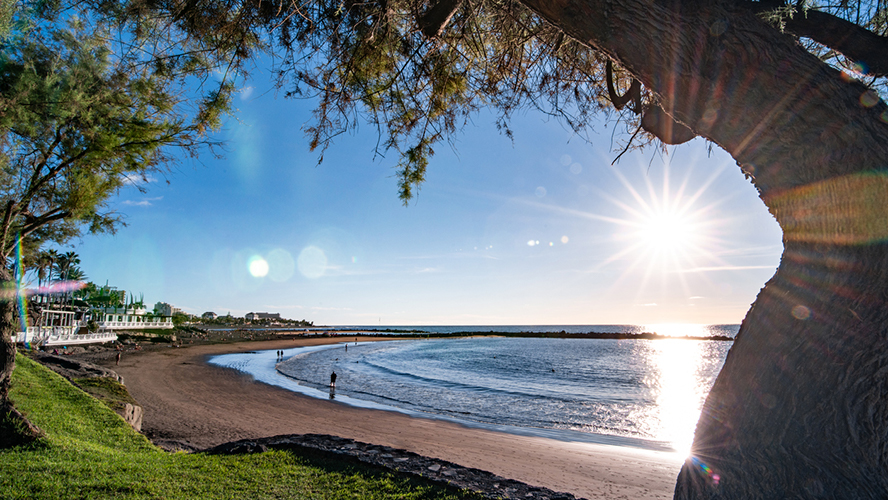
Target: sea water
point(632, 392)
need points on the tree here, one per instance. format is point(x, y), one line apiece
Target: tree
point(89, 102)
point(41, 264)
point(789, 89)
point(180, 318)
point(75, 274)
point(65, 263)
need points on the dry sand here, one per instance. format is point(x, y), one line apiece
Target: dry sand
point(188, 400)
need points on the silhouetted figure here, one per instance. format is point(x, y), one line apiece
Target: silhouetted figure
point(333, 379)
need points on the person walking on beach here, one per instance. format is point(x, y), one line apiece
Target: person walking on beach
point(118, 357)
point(333, 379)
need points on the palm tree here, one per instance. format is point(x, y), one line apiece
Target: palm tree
point(42, 264)
point(76, 274)
point(65, 262)
point(52, 257)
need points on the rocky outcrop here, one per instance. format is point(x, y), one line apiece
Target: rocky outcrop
point(73, 369)
point(404, 462)
point(132, 414)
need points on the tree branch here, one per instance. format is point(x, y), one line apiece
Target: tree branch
point(7, 222)
point(43, 220)
point(633, 94)
point(853, 41)
point(435, 19)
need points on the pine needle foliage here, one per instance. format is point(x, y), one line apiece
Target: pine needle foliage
point(419, 70)
point(84, 112)
point(372, 62)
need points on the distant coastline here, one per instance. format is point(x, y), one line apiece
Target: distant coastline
point(615, 332)
point(552, 335)
point(396, 333)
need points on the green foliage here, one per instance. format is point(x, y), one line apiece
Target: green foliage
point(180, 318)
point(86, 108)
point(370, 61)
point(385, 63)
point(7, 12)
point(90, 452)
point(100, 296)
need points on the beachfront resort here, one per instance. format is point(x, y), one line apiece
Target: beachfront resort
point(97, 314)
point(92, 314)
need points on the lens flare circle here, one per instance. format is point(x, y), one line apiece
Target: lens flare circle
point(312, 262)
point(281, 265)
point(257, 266)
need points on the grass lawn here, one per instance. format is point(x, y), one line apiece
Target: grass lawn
point(90, 452)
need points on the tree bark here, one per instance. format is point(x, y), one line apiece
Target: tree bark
point(800, 409)
point(7, 329)
point(15, 429)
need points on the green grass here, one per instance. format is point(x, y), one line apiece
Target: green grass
point(107, 390)
point(90, 452)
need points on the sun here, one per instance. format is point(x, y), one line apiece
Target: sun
point(668, 231)
point(665, 229)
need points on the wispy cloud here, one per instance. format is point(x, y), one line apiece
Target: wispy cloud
point(474, 254)
point(339, 270)
point(722, 268)
point(758, 251)
point(144, 202)
point(272, 307)
point(138, 180)
point(427, 270)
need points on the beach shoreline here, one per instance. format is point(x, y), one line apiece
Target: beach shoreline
point(187, 400)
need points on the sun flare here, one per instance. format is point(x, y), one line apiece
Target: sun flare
point(668, 231)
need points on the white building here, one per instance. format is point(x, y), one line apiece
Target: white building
point(61, 323)
point(164, 309)
point(129, 318)
point(257, 316)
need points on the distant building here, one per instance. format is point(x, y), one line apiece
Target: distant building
point(164, 309)
point(258, 316)
point(209, 315)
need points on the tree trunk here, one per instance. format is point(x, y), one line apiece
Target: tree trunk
point(801, 405)
point(7, 330)
point(15, 429)
point(800, 409)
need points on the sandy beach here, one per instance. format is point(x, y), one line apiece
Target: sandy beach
point(185, 399)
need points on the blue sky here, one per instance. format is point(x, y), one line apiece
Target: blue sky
point(540, 231)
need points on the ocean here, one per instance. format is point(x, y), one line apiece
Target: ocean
point(643, 393)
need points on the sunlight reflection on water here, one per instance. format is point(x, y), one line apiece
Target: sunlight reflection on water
point(680, 390)
point(640, 389)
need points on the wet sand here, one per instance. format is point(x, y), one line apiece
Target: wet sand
point(187, 400)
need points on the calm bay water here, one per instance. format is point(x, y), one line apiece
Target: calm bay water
point(646, 392)
point(662, 329)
